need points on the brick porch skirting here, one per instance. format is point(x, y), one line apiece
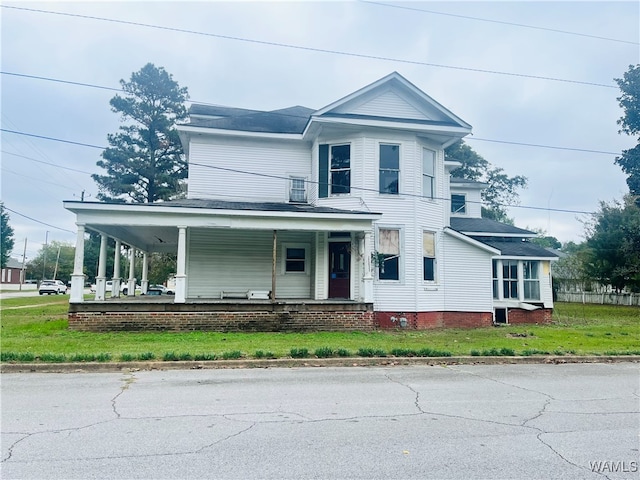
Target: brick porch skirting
point(220, 317)
point(427, 320)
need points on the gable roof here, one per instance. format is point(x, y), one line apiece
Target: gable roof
point(13, 263)
point(479, 227)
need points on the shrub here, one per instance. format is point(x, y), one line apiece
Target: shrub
point(299, 353)
point(127, 357)
point(324, 352)
point(147, 356)
point(170, 357)
point(533, 351)
point(235, 354)
point(428, 352)
point(371, 352)
point(341, 352)
point(53, 358)
point(403, 352)
point(8, 356)
point(263, 354)
point(475, 353)
point(204, 357)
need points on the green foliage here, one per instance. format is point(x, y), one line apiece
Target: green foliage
point(144, 161)
point(60, 254)
point(232, 355)
point(6, 235)
point(371, 352)
point(127, 357)
point(262, 354)
point(342, 352)
point(502, 190)
point(629, 101)
point(324, 352)
point(613, 245)
point(146, 356)
point(170, 357)
point(201, 357)
point(299, 353)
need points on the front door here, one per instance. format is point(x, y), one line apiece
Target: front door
point(339, 270)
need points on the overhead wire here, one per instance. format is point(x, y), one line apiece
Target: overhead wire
point(306, 48)
point(36, 220)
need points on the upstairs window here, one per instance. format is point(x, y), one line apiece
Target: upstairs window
point(389, 168)
point(389, 247)
point(531, 280)
point(297, 190)
point(458, 203)
point(428, 173)
point(340, 169)
point(428, 256)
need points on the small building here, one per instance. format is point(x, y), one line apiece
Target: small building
point(300, 219)
point(11, 273)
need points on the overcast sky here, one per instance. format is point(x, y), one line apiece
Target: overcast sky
point(456, 52)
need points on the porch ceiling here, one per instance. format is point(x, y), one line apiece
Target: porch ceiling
point(154, 227)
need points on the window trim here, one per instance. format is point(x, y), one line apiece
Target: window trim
point(396, 170)
point(434, 258)
point(432, 195)
point(463, 209)
point(331, 170)
point(399, 256)
point(285, 258)
point(305, 182)
point(529, 281)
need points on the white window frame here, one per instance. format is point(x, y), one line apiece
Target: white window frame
point(530, 281)
point(399, 256)
point(463, 210)
point(301, 246)
point(331, 170)
point(304, 180)
point(435, 258)
point(431, 195)
point(380, 169)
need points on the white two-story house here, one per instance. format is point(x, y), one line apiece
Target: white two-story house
point(343, 217)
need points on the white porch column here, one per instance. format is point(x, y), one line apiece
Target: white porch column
point(181, 267)
point(101, 279)
point(77, 277)
point(367, 278)
point(145, 273)
point(131, 283)
point(115, 284)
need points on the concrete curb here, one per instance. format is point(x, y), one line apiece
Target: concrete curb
point(92, 367)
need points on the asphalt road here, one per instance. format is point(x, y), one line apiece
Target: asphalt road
point(409, 422)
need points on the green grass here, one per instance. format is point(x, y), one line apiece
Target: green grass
point(39, 333)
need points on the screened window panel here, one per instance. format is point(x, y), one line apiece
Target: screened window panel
point(389, 241)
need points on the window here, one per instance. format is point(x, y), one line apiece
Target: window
point(509, 279)
point(389, 248)
point(340, 169)
point(389, 168)
point(429, 256)
point(496, 280)
point(295, 260)
point(458, 203)
point(531, 280)
point(428, 172)
point(297, 191)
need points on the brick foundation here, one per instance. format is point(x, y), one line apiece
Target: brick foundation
point(517, 316)
point(92, 317)
point(427, 320)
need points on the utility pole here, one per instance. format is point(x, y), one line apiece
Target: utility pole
point(44, 263)
point(24, 260)
point(55, 272)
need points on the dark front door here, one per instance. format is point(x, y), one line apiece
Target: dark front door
point(339, 270)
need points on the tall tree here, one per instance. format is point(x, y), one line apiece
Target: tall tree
point(6, 232)
point(59, 261)
point(145, 162)
point(629, 101)
point(502, 189)
point(613, 243)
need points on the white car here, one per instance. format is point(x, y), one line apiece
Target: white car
point(159, 290)
point(52, 286)
point(124, 287)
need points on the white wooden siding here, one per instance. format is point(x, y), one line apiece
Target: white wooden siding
point(279, 159)
point(225, 260)
point(387, 104)
point(467, 277)
point(473, 202)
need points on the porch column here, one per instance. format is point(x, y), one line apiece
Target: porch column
point(131, 283)
point(274, 259)
point(115, 283)
point(181, 267)
point(367, 278)
point(145, 273)
point(77, 277)
point(101, 279)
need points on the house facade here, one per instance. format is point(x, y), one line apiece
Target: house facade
point(338, 218)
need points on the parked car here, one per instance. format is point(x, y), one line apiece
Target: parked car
point(159, 290)
point(124, 287)
point(52, 286)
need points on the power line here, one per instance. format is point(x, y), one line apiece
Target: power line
point(46, 163)
point(51, 138)
point(309, 49)
point(66, 187)
point(80, 84)
point(522, 25)
point(37, 221)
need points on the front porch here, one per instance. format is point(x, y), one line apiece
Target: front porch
point(160, 313)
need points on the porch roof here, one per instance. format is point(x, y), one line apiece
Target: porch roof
point(152, 227)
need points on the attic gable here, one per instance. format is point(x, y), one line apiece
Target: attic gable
point(392, 98)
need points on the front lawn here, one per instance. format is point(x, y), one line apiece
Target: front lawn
point(35, 329)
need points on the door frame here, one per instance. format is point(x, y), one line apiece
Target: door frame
point(347, 239)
